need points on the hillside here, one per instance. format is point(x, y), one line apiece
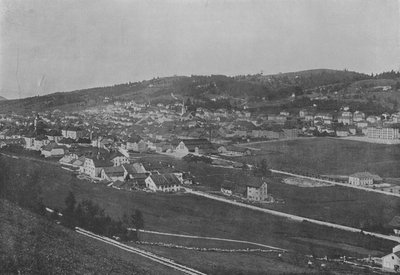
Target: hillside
point(234, 90)
point(30, 244)
point(2, 98)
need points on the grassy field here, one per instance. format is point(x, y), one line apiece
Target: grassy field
point(188, 214)
point(30, 244)
point(329, 156)
point(336, 204)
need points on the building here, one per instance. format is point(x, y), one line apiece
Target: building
point(93, 166)
point(52, 150)
point(383, 133)
point(257, 190)
point(364, 178)
point(163, 183)
point(394, 224)
point(392, 260)
point(114, 173)
point(118, 158)
point(345, 120)
point(196, 146)
point(72, 133)
point(136, 144)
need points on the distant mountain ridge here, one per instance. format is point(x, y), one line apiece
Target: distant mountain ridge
point(3, 98)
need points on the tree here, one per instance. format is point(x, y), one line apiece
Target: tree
point(137, 221)
point(69, 217)
point(263, 169)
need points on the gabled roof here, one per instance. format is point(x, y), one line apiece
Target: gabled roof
point(165, 179)
point(114, 171)
point(366, 175)
point(52, 145)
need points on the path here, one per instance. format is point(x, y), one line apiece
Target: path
point(140, 252)
point(208, 238)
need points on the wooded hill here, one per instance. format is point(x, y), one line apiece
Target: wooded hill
point(269, 88)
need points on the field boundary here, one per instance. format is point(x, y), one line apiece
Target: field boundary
point(208, 238)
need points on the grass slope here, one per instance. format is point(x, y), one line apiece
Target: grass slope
point(30, 244)
point(188, 214)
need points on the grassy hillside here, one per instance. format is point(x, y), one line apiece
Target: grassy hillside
point(30, 244)
point(188, 214)
point(201, 88)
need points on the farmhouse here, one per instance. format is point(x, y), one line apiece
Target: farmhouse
point(115, 173)
point(93, 166)
point(392, 260)
point(256, 190)
point(363, 178)
point(163, 183)
point(197, 146)
point(52, 150)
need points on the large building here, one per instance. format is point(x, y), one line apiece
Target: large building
point(364, 178)
point(383, 133)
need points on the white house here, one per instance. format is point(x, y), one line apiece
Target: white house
point(257, 191)
point(163, 183)
point(392, 261)
point(363, 178)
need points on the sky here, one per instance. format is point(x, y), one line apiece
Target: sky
point(51, 46)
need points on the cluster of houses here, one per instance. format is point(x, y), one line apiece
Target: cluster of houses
point(346, 123)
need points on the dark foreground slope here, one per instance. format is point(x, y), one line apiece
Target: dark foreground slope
point(30, 244)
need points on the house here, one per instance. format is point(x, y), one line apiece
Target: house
point(394, 224)
point(358, 116)
point(72, 132)
point(52, 150)
point(346, 120)
point(118, 158)
point(54, 135)
point(383, 133)
point(93, 166)
point(227, 188)
point(163, 183)
point(342, 132)
point(392, 261)
point(256, 190)
point(364, 178)
point(233, 151)
point(68, 159)
point(114, 173)
point(39, 142)
point(197, 146)
point(29, 142)
point(136, 143)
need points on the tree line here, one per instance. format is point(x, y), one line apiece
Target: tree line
point(90, 216)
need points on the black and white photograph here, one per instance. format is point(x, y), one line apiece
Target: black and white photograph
point(199, 137)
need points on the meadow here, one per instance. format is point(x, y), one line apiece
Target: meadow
point(327, 156)
point(187, 214)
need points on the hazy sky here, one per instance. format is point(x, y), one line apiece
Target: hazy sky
point(78, 44)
